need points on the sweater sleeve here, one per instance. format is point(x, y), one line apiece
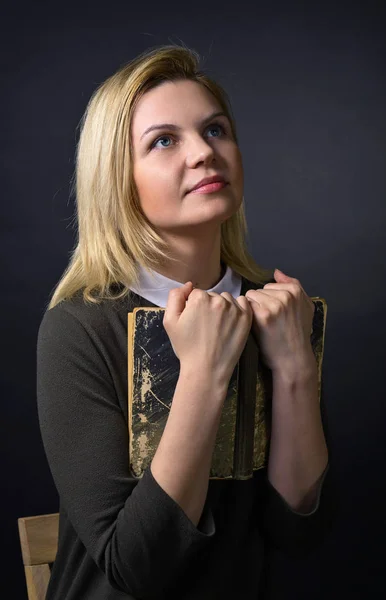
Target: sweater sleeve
point(294, 532)
point(134, 531)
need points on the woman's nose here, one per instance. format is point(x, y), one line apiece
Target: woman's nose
point(199, 151)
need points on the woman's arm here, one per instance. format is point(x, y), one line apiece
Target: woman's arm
point(293, 531)
point(182, 462)
point(298, 453)
point(136, 533)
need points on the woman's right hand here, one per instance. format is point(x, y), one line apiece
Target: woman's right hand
point(208, 331)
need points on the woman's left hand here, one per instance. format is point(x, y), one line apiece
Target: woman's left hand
point(282, 323)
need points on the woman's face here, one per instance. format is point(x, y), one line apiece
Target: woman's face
point(170, 160)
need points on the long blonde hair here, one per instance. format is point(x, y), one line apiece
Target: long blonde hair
point(114, 235)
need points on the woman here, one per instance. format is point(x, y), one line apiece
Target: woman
point(151, 134)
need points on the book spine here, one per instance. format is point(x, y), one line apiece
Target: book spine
point(245, 419)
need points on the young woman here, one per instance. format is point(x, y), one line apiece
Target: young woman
point(161, 222)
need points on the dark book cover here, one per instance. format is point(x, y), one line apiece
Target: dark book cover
point(242, 441)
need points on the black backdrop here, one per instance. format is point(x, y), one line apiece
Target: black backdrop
point(307, 84)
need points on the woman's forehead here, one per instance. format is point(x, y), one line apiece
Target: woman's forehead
point(173, 102)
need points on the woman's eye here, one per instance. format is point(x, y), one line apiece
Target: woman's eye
point(212, 127)
point(215, 126)
point(164, 137)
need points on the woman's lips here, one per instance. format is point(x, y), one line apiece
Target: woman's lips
point(209, 188)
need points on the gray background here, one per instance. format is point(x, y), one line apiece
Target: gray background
point(307, 85)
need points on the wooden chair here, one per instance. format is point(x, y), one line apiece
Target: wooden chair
point(39, 543)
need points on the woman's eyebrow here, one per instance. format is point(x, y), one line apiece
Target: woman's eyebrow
point(176, 127)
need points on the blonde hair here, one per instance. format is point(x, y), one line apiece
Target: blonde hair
point(114, 235)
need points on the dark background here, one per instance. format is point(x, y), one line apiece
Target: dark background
point(307, 85)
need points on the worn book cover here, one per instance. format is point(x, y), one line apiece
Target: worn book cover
point(242, 441)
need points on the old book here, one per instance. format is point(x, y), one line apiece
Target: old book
point(242, 441)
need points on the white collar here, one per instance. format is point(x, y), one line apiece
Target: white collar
point(155, 287)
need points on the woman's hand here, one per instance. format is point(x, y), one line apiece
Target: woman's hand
point(207, 330)
point(282, 323)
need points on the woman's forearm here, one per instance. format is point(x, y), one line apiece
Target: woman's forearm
point(182, 462)
point(298, 452)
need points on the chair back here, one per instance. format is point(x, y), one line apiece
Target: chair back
point(39, 543)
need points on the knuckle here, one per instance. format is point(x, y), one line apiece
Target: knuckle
point(174, 292)
point(197, 295)
point(287, 298)
point(265, 315)
point(227, 296)
point(218, 300)
point(296, 289)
